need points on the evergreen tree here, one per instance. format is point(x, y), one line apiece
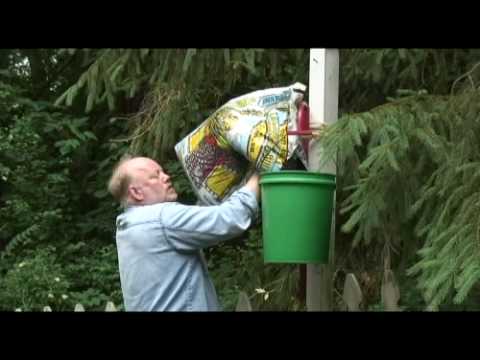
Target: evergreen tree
point(405, 143)
point(405, 146)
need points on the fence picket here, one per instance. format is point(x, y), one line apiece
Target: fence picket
point(390, 292)
point(110, 307)
point(352, 293)
point(79, 308)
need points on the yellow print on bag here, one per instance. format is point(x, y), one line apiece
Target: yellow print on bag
point(220, 124)
point(283, 143)
point(197, 137)
point(221, 180)
point(278, 141)
point(268, 161)
point(268, 144)
point(274, 150)
point(256, 141)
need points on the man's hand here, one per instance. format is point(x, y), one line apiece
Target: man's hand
point(252, 184)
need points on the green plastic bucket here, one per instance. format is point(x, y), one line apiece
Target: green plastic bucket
point(296, 216)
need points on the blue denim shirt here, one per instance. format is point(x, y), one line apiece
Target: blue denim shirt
point(159, 251)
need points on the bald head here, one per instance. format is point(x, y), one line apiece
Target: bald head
point(140, 181)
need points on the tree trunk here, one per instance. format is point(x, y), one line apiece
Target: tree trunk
point(38, 72)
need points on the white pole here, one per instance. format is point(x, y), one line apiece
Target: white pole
point(323, 103)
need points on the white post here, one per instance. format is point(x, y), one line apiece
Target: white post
point(323, 103)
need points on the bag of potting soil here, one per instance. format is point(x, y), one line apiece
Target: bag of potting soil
point(247, 133)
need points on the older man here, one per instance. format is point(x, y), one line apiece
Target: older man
point(159, 240)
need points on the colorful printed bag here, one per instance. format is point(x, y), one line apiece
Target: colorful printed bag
point(247, 133)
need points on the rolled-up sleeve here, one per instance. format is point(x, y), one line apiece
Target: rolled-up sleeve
point(196, 227)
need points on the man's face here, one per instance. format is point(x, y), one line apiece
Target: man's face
point(150, 184)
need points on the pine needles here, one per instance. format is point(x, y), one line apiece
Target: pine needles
point(410, 171)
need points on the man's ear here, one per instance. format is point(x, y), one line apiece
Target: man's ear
point(135, 192)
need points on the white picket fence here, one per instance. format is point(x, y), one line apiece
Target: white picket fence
point(110, 307)
point(352, 296)
point(390, 293)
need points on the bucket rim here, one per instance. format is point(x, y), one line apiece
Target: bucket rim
point(288, 176)
point(294, 172)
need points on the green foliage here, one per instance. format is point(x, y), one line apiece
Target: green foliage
point(126, 71)
point(408, 170)
point(45, 277)
point(43, 145)
point(369, 76)
point(94, 275)
point(378, 155)
point(179, 87)
point(29, 150)
point(405, 147)
point(385, 155)
point(447, 210)
point(34, 282)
